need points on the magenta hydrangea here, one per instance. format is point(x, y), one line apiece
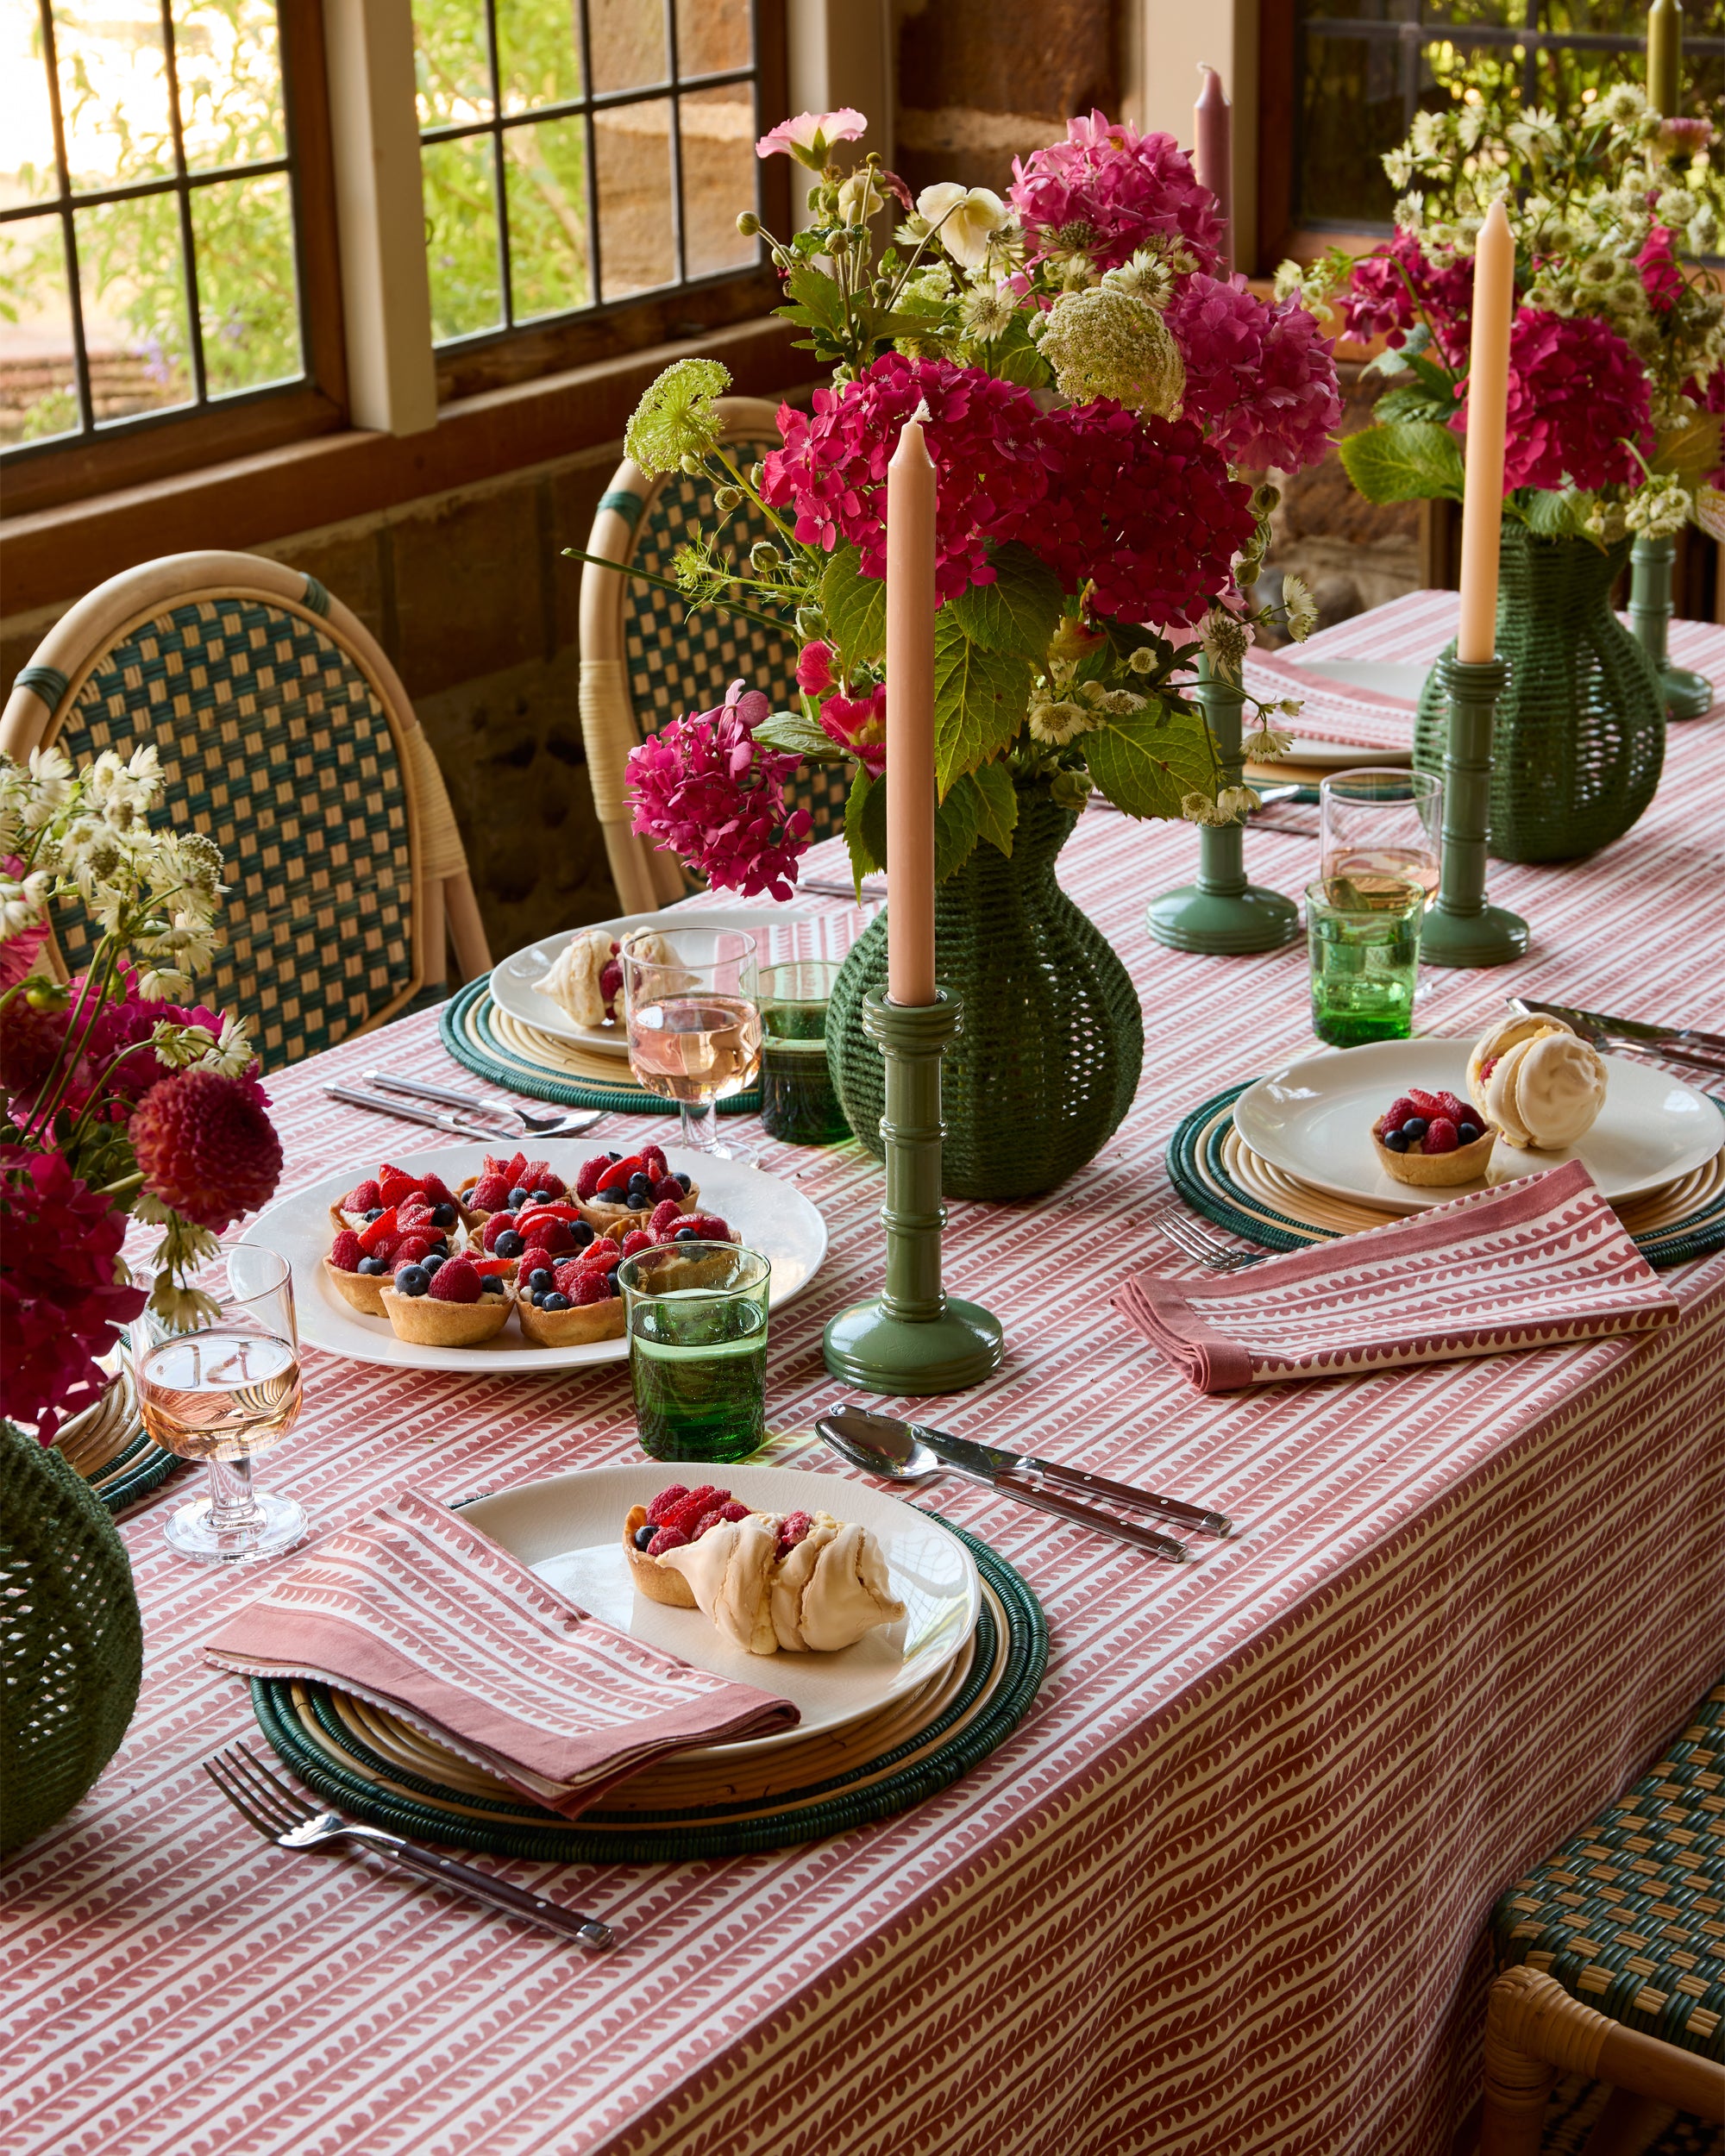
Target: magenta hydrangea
point(1106, 191)
point(1576, 390)
point(1260, 374)
point(706, 788)
point(1395, 287)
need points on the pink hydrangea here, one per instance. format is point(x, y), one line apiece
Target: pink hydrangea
point(1576, 389)
point(1144, 507)
point(1395, 287)
point(1261, 376)
point(1711, 399)
point(1661, 279)
point(859, 724)
point(981, 434)
point(814, 668)
point(704, 787)
point(1106, 191)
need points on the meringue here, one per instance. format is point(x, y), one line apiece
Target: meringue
point(572, 981)
point(828, 1590)
point(1537, 1081)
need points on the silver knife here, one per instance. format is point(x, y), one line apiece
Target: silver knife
point(992, 1460)
point(405, 1113)
point(1669, 1040)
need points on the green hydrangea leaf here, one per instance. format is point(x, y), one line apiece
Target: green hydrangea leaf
point(1407, 460)
point(980, 699)
point(1145, 761)
point(865, 827)
point(797, 737)
point(1551, 515)
point(855, 606)
point(955, 830)
point(1019, 611)
point(997, 806)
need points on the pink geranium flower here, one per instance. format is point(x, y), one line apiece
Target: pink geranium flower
point(814, 668)
point(809, 138)
point(1261, 376)
point(859, 724)
point(1108, 191)
point(1661, 279)
point(1575, 390)
point(704, 788)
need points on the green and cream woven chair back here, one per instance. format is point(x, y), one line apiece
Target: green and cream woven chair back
point(645, 660)
point(285, 735)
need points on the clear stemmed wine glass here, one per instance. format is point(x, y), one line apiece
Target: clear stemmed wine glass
point(694, 1023)
point(221, 1390)
point(1382, 822)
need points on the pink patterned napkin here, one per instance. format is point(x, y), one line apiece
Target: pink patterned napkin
point(419, 1613)
point(1528, 1264)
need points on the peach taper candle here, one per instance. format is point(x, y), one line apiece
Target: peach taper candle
point(1487, 396)
point(911, 496)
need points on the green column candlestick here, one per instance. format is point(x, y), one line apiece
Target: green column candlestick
point(1460, 928)
point(915, 1337)
point(1222, 913)
point(1687, 695)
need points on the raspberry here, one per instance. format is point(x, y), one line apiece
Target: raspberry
point(1486, 1070)
point(489, 1195)
point(1457, 1110)
point(666, 1503)
point(395, 1183)
point(792, 1529)
point(499, 1224)
point(653, 1160)
point(587, 1181)
point(585, 1285)
point(708, 1519)
point(708, 1227)
point(411, 1249)
point(437, 1192)
point(667, 1189)
point(664, 1215)
point(1441, 1135)
point(345, 1251)
point(457, 1281)
point(733, 1511)
point(667, 1539)
point(551, 1235)
point(703, 1500)
point(361, 1198)
point(610, 984)
point(601, 1256)
point(637, 1239)
point(1425, 1104)
point(1398, 1112)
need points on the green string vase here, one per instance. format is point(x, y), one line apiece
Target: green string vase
point(1047, 1062)
point(1579, 738)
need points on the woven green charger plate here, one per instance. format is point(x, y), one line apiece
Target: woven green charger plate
point(1200, 1169)
point(467, 1026)
point(1009, 1656)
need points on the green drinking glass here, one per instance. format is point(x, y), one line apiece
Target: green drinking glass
point(1363, 934)
point(697, 1316)
point(797, 1104)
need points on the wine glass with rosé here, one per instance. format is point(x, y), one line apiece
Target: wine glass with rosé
point(693, 1022)
point(1382, 822)
point(223, 1389)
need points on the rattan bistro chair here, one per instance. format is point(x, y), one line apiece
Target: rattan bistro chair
point(287, 735)
point(644, 660)
point(1618, 1943)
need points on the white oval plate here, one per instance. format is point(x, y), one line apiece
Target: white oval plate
point(771, 1217)
point(569, 1529)
point(1315, 1120)
point(511, 982)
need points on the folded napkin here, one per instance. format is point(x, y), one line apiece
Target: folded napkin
point(1527, 1264)
point(419, 1613)
point(1331, 711)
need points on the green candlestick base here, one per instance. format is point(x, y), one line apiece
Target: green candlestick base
point(1687, 694)
point(913, 1338)
point(1222, 914)
point(1460, 928)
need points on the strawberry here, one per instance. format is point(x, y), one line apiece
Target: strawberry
point(665, 1216)
point(637, 1239)
point(489, 1195)
point(669, 1189)
point(586, 1181)
point(457, 1281)
point(380, 1231)
point(539, 1175)
point(666, 1503)
point(395, 1183)
point(413, 1211)
point(361, 1198)
point(601, 1256)
point(491, 1268)
point(345, 1251)
point(615, 1177)
point(386, 1249)
point(1441, 1135)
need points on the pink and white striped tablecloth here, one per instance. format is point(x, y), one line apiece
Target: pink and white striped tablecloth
point(1224, 1892)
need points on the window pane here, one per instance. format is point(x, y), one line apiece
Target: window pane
point(538, 53)
point(545, 171)
point(26, 158)
point(461, 238)
point(113, 91)
point(628, 40)
point(38, 396)
point(451, 62)
point(712, 37)
point(632, 144)
point(248, 297)
point(133, 291)
point(229, 70)
point(719, 166)
point(1354, 111)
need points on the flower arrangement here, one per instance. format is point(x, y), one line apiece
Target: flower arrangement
point(1617, 346)
point(118, 1099)
point(1091, 385)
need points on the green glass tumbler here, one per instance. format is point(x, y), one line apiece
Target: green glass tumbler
point(697, 1316)
point(1363, 935)
point(797, 1104)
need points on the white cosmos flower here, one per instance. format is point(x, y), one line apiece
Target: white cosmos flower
point(968, 218)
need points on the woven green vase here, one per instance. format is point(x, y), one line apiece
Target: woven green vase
point(1047, 1060)
point(72, 1644)
point(1580, 732)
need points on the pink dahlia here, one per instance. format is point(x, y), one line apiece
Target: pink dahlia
point(1261, 376)
point(704, 787)
point(981, 434)
point(859, 724)
point(1143, 507)
point(1576, 390)
point(62, 1289)
point(206, 1146)
point(1397, 286)
point(1661, 279)
point(1106, 191)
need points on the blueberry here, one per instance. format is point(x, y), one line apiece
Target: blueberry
point(412, 1280)
point(443, 1216)
point(492, 1284)
point(687, 1235)
point(508, 1245)
point(684, 1180)
point(540, 1198)
point(613, 1156)
point(541, 1278)
point(556, 1302)
point(376, 1213)
point(1414, 1128)
point(372, 1266)
point(517, 1197)
point(1466, 1133)
point(644, 1534)
point(1396, 1140)
point(538, 1298)
point(582, 1231)
point(614, 1287)
point(428, 1265)
point(639, 1200)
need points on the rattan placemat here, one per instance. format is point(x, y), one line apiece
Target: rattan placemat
point(1219, 1175)
point(524, 1060)
point(374, 1768)
point(109, 1446)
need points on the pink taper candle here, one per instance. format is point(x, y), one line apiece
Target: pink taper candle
point(1488, 393)
point(910, 718)
point(1212, 133)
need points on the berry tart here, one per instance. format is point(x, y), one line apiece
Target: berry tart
point(1538, 1081)
point(1432, 1139)
point(800, 1581)
point(389, 1219)
point(507, 1185)
point(460, 1302)
point(669, 1222)
point(553, 1227)
point(614, 1189)
point(569, 1302)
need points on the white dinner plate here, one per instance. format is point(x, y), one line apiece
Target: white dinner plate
point(770, 1215)
point(569, 1529)
point(511, 982)
point(1336, 756)
point(1315, 1120)
point(1403, 679)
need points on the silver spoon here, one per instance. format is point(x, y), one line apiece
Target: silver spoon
point(892, 1450)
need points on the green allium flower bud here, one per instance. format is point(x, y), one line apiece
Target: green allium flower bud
point(811, 624)
point(764, 557)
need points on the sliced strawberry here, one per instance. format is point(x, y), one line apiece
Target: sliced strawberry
point(653, 1160)
point(381, 1230)
point(492, 1268)
point(601, 1256)
point(615, 1177)
point(511, 1169)
point(558, 1209)
point(395, 1183)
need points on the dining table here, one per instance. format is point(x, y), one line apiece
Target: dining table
point(1223, 1891)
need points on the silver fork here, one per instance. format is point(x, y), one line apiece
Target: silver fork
point(280, 1815)
point(1194, 1240)
point(564, 1124)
